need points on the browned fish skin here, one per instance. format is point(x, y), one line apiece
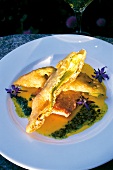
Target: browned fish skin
point(66, 102)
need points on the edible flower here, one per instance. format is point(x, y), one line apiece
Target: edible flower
point(100, 74)
point(83, 101)
point(13, 91)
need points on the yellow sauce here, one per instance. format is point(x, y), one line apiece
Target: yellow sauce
point(55, 122)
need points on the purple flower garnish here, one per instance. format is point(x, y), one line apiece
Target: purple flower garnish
point(100, 74)
point(83, 101)
point(13, 91)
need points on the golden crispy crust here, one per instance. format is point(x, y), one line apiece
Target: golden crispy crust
point(35, 78)
point(84, 83)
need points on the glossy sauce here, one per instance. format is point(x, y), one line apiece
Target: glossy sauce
point(56, 122)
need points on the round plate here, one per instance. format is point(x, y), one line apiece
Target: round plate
point(85, 150)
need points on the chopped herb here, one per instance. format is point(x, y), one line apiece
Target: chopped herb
point(83, 117)
point(100, 74)
point(31, 97)
point(24, 105)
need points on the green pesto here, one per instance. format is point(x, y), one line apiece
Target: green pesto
point(21, 105)
point(83, 117)
point(31, 97)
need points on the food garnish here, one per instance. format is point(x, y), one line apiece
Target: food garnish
point(100, 74)
point(13, 91)
point(83, 101)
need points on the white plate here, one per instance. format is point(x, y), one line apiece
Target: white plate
point(86, 150)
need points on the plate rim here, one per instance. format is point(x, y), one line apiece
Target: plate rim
point(4, 58)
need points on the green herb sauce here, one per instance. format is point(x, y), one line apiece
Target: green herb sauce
point(21, 105)
point(83, 118)
point(60, 127)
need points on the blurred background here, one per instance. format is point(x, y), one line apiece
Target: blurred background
point(54, 17)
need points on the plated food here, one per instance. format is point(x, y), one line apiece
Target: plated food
point(63, 100)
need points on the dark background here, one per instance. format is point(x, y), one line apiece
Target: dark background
point(49, 17)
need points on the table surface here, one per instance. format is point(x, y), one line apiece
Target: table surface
point(9, 43)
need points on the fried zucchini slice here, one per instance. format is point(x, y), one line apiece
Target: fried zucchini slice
point(35, 78)
point(85, 84)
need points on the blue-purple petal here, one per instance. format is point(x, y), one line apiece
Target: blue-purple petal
point(106, 76)
point(80, 102)
point(8, 90)
point(13, 87)
point(102, 69)
point(100, 79)
point(87, 106)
